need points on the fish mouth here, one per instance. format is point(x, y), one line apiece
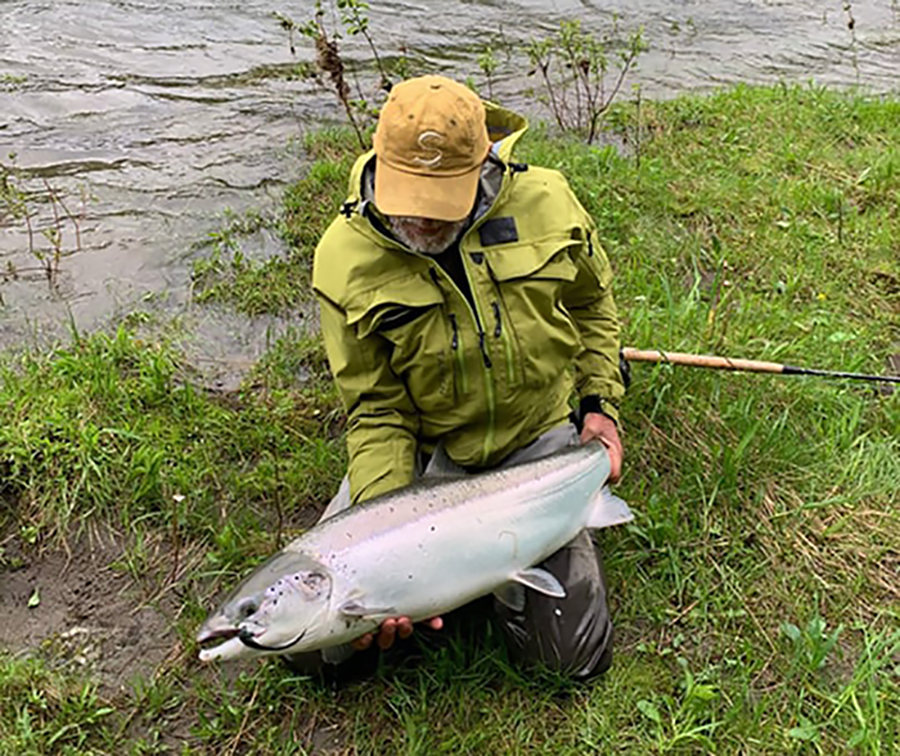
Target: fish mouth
point(249, 640)
point(211, 636)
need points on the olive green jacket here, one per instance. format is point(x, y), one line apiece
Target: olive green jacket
point(416, 364)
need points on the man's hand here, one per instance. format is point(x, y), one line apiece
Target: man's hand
point(602, 428)
point(390, 628)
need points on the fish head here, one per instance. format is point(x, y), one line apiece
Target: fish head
point(281, 604)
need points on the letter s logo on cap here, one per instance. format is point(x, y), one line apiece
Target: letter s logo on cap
point(427, 141)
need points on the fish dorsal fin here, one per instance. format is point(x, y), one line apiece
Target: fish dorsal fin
point(608, 509)
point(541, 581)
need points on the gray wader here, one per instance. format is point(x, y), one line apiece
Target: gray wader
point(571, 635)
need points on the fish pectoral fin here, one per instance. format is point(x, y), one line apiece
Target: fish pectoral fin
point(512, 595)
point(608, 509)
point(541, 581)
point(355, 609)
point(337, 654)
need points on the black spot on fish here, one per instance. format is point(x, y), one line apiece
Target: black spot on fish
point(410, 577)
point(433, 528)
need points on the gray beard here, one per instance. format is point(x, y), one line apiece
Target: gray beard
point(425, 244)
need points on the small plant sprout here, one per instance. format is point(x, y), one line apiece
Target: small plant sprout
point(488, 64)
point(813, 644)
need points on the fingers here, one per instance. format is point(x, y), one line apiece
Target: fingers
point(602, 428)
point(390, 630)
point(387, 633)
point(363, 642)
point(615, 459)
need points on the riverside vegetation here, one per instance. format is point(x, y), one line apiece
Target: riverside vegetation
point(756, 595)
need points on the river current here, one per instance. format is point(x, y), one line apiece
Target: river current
point(151, 121)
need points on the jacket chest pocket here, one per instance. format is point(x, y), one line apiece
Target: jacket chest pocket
point(409, 314)
point(531, 281)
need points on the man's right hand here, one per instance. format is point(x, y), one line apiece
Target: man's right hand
point(599, 427)
point(390, 629)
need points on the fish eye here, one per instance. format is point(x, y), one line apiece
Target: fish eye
point(246, 608)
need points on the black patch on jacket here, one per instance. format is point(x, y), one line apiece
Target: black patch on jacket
point(498, 231)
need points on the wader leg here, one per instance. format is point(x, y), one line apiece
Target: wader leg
point(572, 635)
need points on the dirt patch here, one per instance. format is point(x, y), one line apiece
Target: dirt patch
point(75, 607)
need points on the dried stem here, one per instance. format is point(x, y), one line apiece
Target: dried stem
point(329, 60)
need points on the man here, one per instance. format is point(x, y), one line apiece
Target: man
point(464, 298)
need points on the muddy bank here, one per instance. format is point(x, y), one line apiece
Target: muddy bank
point(82, 609)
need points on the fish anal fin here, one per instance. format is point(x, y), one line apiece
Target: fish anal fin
point(541, 581)
point(511, 594)
point(608, 509)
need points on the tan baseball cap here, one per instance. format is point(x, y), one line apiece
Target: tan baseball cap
point(430, 143)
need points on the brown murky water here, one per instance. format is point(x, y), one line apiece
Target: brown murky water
point(154, 119)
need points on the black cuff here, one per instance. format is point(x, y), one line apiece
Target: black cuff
point(594, 403)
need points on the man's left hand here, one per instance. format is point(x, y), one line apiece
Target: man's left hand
point(401, 627)
point(598, 426)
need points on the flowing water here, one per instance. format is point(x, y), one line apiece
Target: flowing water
point(150, 121)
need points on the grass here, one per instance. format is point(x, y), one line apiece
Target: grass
point(756, 598)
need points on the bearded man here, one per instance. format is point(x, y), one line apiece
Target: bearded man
point(465, 299)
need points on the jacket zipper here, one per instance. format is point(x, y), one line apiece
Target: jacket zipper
point(485, 357)
point(501, 334)
point(490, 398)
point(458, 357)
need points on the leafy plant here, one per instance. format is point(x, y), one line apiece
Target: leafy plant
point(681, 720)
point(573, 65)
point(813, 644)
point(353, 21)
point(488, 63)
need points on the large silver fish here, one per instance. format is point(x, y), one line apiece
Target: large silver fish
point(419, 552)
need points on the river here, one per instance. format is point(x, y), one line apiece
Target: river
point(151, 121)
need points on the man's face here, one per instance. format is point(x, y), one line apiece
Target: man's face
point(425, 235)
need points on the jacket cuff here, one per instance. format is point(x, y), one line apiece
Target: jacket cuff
point(595, 403)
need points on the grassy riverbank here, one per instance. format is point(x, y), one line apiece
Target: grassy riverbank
point(756, 596)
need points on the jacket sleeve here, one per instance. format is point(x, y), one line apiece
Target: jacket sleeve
point(589, 300)
point(382, 424)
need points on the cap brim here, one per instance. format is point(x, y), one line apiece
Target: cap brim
point(447, 198)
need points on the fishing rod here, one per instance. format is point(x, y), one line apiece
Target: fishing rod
point(712, 362)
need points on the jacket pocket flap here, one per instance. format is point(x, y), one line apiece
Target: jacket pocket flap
point(392, 305)
point(546, 259)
